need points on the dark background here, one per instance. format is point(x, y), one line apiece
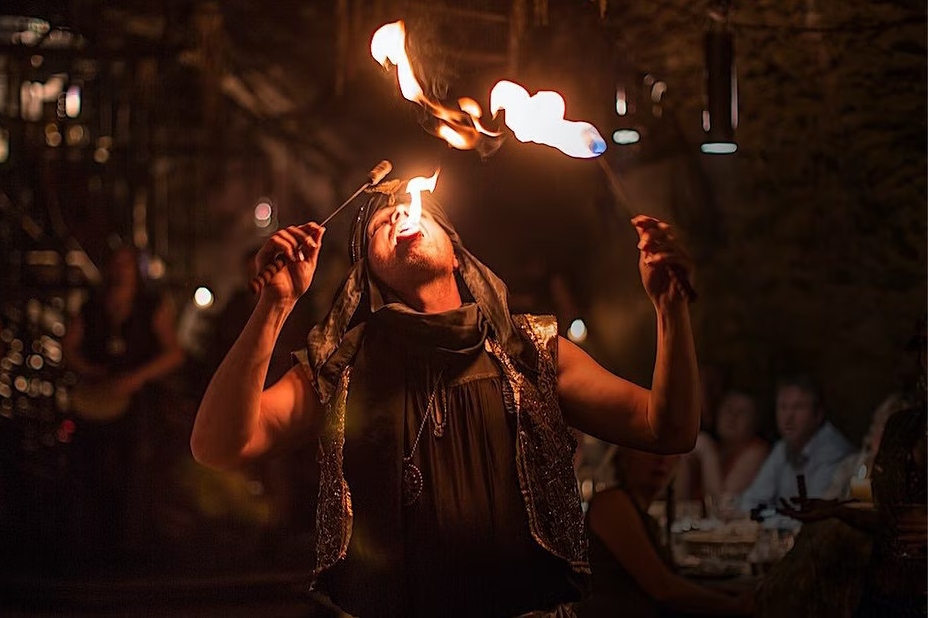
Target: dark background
point(809, 242)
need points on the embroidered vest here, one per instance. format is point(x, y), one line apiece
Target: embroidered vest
point(544, 457)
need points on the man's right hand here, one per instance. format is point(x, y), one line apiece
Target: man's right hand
point(299, 245)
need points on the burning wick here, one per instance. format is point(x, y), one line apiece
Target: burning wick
point(414, 188)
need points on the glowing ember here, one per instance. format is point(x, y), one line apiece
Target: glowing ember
point(459, 128)
point(539, 118)
point(414, 188)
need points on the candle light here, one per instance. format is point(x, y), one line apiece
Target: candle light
point(861, 488)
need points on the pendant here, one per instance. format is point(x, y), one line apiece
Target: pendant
point(412, 482)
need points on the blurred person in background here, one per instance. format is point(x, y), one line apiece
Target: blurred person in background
point(690, 484)
point(230, 321)
point(809, 445)
point(857, 468)
point(728, 464)
point(894, 580)
point(633, 569)
point(119, 345)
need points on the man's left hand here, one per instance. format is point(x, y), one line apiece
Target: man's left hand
point(662, 261)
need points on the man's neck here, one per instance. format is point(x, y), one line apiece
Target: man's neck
point(433, 296)
point(798, 452)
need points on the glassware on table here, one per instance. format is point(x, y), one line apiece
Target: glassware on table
point(723, 508)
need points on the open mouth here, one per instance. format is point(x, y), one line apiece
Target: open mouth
point(408, 232)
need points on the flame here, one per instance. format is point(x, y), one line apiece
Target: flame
point(472, 108)
point(454, 138)
point(539, 118)
point(459, 128)
point(414, 188)
point(389, 43)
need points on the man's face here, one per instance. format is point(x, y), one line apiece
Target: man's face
point(402, 262)
point(798, 416)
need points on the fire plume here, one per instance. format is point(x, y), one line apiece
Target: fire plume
point(539, 118)
point(460, 128)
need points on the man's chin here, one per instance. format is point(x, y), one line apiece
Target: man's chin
point(413, 258)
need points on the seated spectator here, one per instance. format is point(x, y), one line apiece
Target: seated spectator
point(633, 571)
point(728, 465)
point(741, 451)
point(691, 484)
point(809, 445)
point(859, 465)
point(895, 581)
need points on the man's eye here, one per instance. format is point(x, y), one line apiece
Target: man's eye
point(376, 227)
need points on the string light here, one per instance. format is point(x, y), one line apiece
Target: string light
point(203, 297)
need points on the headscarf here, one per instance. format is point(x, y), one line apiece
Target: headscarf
point(333, 343)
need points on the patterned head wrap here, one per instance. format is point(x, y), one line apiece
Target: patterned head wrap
point(332, 344)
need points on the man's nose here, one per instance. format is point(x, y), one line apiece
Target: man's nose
point(400, 211)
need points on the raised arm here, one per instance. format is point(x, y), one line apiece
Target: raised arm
point(666, 418)
point(238, 420)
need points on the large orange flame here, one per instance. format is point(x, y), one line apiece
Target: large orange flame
point(460, 128)
point(389, 43)
point(539, 118)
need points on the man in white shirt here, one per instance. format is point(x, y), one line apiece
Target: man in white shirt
point(809, 445)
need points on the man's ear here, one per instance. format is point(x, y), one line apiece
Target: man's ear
point(455, 264)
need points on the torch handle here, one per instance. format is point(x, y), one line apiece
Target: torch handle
point(280, 260)
point(267, 273)
point(677, 273)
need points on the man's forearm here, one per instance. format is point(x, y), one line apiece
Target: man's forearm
point(673, 407)
point(230, 410)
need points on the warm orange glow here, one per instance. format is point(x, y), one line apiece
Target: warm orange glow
point(389, 43)
point(472, 108)
point(414, 188)
point(453, 138)
point(539, 118)
point(459, 128)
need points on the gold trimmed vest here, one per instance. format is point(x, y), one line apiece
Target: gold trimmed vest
point(544, 456)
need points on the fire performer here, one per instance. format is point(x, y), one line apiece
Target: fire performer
point(446, 479)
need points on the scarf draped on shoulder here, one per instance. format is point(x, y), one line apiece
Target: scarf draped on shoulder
point(333, 343)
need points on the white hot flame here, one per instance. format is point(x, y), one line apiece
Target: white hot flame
point(539, 118)
point(414, 188)
point(389, 43)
